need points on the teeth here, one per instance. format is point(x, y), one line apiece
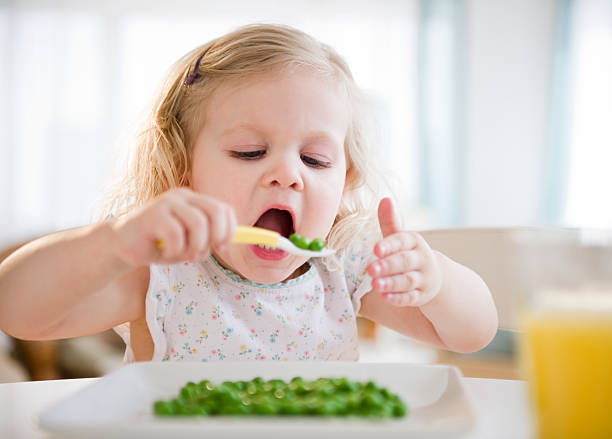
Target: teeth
point(267, 247)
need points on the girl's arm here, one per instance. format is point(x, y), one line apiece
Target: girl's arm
point(67, 284)
point(426, 295)
point(89, 279)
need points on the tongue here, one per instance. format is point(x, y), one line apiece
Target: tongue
point(277, 220)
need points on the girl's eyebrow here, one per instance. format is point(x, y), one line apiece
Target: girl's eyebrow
point(313, 137)
point(321, 136)
point(240, 127)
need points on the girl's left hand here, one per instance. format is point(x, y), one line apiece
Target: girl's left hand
point(407, 272)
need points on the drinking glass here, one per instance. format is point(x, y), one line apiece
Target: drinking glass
point(565, 330)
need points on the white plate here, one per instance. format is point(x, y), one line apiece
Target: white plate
point(120, 404)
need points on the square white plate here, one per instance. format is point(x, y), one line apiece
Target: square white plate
point(120, 404)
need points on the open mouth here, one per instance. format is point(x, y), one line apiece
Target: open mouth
point(278, 220)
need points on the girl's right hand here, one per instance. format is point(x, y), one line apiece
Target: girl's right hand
point(179, 225)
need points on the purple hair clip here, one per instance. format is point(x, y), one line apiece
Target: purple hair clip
point(192, 77)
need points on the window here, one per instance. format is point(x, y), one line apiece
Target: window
point(590, 138)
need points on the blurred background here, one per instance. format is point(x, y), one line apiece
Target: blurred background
point(489, 115)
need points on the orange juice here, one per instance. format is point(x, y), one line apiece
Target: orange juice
point(567, 359)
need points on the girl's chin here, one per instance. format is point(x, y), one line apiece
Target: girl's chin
point(263, 272)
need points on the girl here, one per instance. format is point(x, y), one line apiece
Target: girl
point(259, 127)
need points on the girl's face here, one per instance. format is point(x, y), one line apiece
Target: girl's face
point(274, 150)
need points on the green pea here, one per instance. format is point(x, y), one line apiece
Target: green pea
point(298, 387)
point(264, 407)
point(309, 386)
point(202, 411)
point(241, 409)
point(203, 399)
point(233, 409)
point(227, 395)
point(289, 395)
point(300, 241)
point(163, 408)
point(183, 410)
point(232, 384)
point(189, 392)
point(338, 382)
point(350, 386)
point(317, 244)
point(214, 409)
point(313, 406)
point(342, 404)
point(372, 400)
point(278, 384)
point(326, 390)
point(399, 409)
point(292, 408)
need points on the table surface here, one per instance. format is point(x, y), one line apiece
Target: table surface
point(502, 407)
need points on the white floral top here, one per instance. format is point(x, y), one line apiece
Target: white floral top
point(203, 312)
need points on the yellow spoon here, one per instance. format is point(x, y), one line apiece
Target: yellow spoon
point(257, 235)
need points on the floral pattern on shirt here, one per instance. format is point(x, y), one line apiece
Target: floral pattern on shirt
point(204, 312)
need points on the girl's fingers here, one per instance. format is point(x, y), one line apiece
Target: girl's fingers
point(397, 283)
point(185, 225)
point(219, 217)
point(225, 215)
point(232, 223)
point(196, 226)
point(396, 242)
point(410, 298)
point(172, 238)
point(397, 263)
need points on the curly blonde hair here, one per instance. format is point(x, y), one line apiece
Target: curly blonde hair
point(163, 151)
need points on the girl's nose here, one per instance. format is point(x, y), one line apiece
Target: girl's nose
point(284, 173)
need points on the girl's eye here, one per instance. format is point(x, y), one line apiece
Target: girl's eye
point(248, 155)
point(311, 161)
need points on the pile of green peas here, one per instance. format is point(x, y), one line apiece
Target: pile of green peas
point(300, 241)
point(322, 397)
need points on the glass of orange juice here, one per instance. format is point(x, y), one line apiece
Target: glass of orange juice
point(565, 341)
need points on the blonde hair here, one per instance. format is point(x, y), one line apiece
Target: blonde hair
point(162, 157)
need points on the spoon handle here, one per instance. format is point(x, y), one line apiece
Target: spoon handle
point(255, 235)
